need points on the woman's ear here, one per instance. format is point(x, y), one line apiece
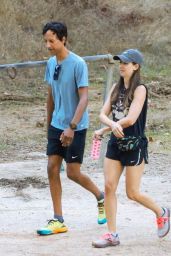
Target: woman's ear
point(136, 66)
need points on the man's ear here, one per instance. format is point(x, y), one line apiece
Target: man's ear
point(64, 40)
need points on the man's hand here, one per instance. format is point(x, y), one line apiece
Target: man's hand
point(67, 137)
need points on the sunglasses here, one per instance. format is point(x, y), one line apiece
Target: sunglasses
point(57, 71)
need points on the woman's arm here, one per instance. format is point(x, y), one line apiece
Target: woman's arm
point(115, 127)
point(106, 110)
point(135, 107)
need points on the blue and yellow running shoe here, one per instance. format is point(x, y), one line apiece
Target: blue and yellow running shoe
point(101, 212)
point(53, 227)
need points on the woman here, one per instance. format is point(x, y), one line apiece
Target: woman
point(127, 147)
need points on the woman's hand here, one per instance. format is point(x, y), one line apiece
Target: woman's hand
point(98, 134)
point(117, 130)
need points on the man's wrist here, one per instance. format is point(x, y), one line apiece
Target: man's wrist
point(73, 126)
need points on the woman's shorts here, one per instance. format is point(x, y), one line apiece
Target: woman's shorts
point(127, 158)
point(72, 154)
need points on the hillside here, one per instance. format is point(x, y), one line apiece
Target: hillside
point(95, 26)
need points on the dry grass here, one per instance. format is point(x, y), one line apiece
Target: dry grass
point(94, 26)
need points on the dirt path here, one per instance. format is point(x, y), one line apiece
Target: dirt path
point(25, 206)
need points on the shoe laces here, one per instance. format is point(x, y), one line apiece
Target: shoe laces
point(107, 236)
point(51, 222)
point(101, 208)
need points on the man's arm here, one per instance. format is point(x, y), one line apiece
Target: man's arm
point(68, 135)
point(49, 106)
point(83, 102)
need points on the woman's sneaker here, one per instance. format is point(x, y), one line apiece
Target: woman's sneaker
point(163, 223)
point(106, 240)
point(53, 227)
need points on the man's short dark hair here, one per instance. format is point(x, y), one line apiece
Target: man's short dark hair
point(59, 28)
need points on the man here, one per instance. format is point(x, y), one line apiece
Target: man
point(67, 122)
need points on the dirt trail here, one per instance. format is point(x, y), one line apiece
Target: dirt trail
point(26, 205)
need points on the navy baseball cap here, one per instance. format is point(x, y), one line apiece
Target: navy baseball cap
point(130, 55)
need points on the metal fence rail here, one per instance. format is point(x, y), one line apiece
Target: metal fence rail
point(12, 68)
point(29, 64)
point(12, 72)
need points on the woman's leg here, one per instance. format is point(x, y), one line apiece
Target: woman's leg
point(112, 172)
point(133, 179)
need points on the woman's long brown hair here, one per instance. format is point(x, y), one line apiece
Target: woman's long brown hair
point(133, 83)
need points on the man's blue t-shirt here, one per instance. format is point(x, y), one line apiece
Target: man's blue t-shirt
point(73, 75)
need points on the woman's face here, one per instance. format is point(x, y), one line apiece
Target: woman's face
point(127, 69)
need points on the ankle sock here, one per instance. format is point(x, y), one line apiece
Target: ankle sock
point(58, 217)
point(101, 196)
point(114, 234)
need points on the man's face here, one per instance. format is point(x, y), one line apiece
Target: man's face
point(53, 44)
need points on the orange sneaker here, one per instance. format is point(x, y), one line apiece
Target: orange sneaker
point(163, 223)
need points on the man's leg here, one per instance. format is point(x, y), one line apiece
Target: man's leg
point(53, 169)
point(74, 158)
point(74, 173)
point(55, 225)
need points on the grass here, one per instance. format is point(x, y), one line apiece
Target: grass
point(3, 145)
point(154, 72)
point(26, 112)
point(156, 66)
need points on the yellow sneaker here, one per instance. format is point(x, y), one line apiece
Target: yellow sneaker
point(101, 212)
point(53, 227)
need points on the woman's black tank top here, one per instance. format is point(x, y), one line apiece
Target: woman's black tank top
point(119, 112)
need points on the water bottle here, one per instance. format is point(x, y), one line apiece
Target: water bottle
point(95, 150)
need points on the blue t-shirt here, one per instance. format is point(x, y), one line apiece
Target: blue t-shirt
point(73, 75)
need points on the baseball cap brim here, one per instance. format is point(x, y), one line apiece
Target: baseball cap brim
point(122, 58)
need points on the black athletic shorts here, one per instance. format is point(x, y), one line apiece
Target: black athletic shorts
point(128, 158)
point(72, 154)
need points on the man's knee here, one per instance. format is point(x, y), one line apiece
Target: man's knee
point(73, 172)
point(52, 170)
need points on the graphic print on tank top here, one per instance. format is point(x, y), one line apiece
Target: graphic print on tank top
point(118, 109)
